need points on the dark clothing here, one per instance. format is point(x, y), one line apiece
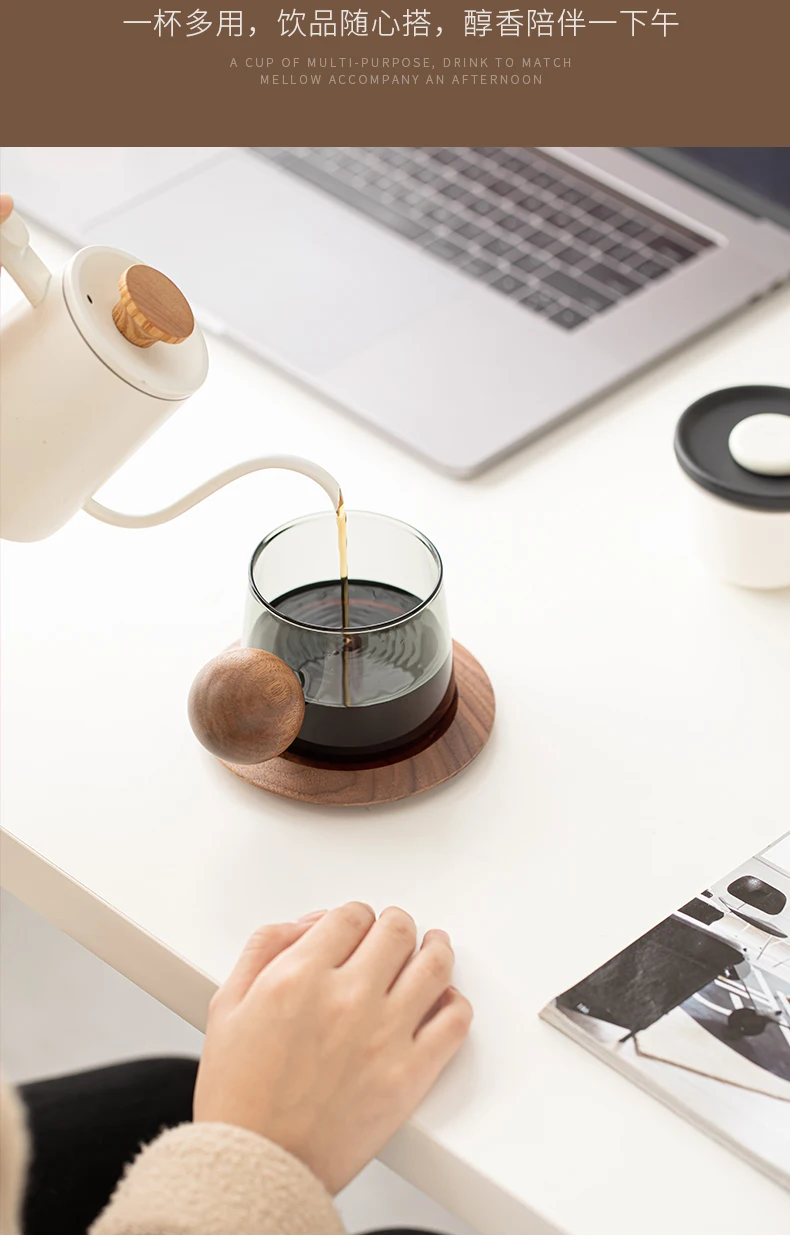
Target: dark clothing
point(86, 1127)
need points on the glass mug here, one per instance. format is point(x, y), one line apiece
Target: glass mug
point(385, 681)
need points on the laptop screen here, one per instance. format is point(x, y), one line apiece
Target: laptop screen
point(756, 179)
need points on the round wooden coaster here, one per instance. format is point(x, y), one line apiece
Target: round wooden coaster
point(439, 756)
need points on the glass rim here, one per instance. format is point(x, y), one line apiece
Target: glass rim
point(365, 628)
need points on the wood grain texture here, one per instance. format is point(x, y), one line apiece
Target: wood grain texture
point(246, 706)
point(440, 756)
point(151, 308)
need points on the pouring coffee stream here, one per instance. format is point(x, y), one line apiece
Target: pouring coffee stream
point(342, 546)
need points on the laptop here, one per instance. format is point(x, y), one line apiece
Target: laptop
point(459, 300)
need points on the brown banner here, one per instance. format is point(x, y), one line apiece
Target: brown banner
point(128, 72)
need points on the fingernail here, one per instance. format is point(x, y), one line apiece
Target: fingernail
point(437, 934)
point(319, 912)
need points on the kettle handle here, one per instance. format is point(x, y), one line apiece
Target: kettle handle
point(21, 261)
point(296, 463)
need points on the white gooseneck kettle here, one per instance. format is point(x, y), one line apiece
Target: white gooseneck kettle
point(91, 364)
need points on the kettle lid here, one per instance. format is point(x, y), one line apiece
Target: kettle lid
point(137, 321)
point(707, 450)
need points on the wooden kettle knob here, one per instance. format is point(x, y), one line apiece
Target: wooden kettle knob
point(151, 308)
point(246, 706)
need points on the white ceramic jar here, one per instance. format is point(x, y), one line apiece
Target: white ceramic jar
point(736, 461)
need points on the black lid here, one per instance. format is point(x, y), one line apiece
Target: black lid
point(702, 446)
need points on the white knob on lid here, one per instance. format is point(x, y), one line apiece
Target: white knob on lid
point(761, 444)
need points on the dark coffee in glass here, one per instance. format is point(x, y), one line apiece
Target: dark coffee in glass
point(383, 681)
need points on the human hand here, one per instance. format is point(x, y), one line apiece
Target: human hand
point(328, 1033)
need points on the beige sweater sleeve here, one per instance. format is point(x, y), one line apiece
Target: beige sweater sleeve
point(14, 1158)
point(214, 1179)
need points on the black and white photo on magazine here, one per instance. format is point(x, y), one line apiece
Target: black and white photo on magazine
point(697, 1011)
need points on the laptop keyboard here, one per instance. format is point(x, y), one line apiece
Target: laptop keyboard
point(529, 226)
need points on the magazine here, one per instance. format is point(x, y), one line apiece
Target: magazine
point(697, 1011)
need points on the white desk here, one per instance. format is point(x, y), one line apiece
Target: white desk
point(640, 752)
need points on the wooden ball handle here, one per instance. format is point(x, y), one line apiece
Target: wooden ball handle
point(151, 308)
point(246, 706)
